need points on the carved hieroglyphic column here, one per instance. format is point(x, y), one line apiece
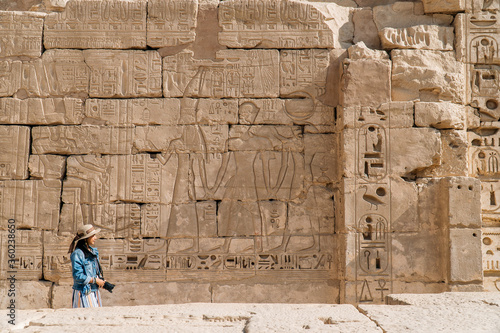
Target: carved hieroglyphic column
point(481, 26)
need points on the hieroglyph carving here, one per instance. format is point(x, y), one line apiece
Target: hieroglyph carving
point(86, 24)
point(171, 22)
point(373, 210)
point(238, 73)
point(28, 255)
point(32, 203)
point(14, 151)
point(273, 24)
point(41, 111)
point(21, 34)
point(426, 37)
point(115, 73)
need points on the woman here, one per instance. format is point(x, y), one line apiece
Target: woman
point(84, 260)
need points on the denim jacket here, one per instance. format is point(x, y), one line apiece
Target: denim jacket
point(84, 269)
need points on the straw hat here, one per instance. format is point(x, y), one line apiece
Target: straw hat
point(87, 231)
point(84, 232)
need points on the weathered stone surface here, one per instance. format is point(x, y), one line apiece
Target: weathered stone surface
point(406, 14)
point(29, 294)
point(465, 248)
point(10, 77)
point(59, 73)
point(56, 259)
point(366, 82)
point(414, 150)
point(365, 29)
point(171, 23)
point(47, 166)
point(38, 111)
point(32, 203)
point(91, 24)
point(269, 25)
point(21, 34)
point(454, 154)
point(438, 312)
point(68, 140)
point(279, 138)
point(442, 115)
point(424, 37)
point(28, 255)
point(185, 76)
point(261, 293)
point(14, 152)
point(361, 51)
point(464, 202)
point(444, 6)
point(115, 73)
point(427, 75)
point(55, 5)
point(303, 72)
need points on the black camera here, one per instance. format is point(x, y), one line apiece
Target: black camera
point(108, 286)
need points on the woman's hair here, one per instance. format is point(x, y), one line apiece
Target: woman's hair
point(82, 245)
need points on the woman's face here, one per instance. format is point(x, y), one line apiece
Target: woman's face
point(91, 240)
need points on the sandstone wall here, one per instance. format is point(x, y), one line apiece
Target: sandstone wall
point(251, 151)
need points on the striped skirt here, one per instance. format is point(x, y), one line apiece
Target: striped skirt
point(92, 300)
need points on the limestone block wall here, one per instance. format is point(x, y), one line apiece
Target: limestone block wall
point(250, 151)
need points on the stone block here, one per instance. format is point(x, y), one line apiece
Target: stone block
point(32, 203)
point(28, 255)
point(21, 34)
point(127, 178)
point(131, 73)
point(265, 24)
point(465, 256)
point(10, 77)
point(41, 111)
point(28, 295)
point(55, 5)
point(490, 248)
point(189, 138)
point(427, 75)
point(291, 292)
point(209, 111)
point(285, 112)
point(444, 6)
point(303, 73)
point(68, 140)
point(414, 150)
point(454, 152)
point(419, 257)
point(14, 152)
point(108, 24)
point(56, 259)
point(366, 82)
point(361, 51)
point(423, 37)
point(391, 114)
point(405, 206)
point(137, 293)
point(46, 166)
point(59, 73)
point(365, 29)
point(322, 157)
point(464, 202)
point(171, 23)
point(443, 115)
point(406, 14)
point(185, 76)
point(115, 220)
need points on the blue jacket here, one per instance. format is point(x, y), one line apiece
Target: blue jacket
point(84, 269)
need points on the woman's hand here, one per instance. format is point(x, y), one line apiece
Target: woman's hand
point(100, 282)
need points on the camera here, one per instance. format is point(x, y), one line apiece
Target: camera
point(108, 286)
